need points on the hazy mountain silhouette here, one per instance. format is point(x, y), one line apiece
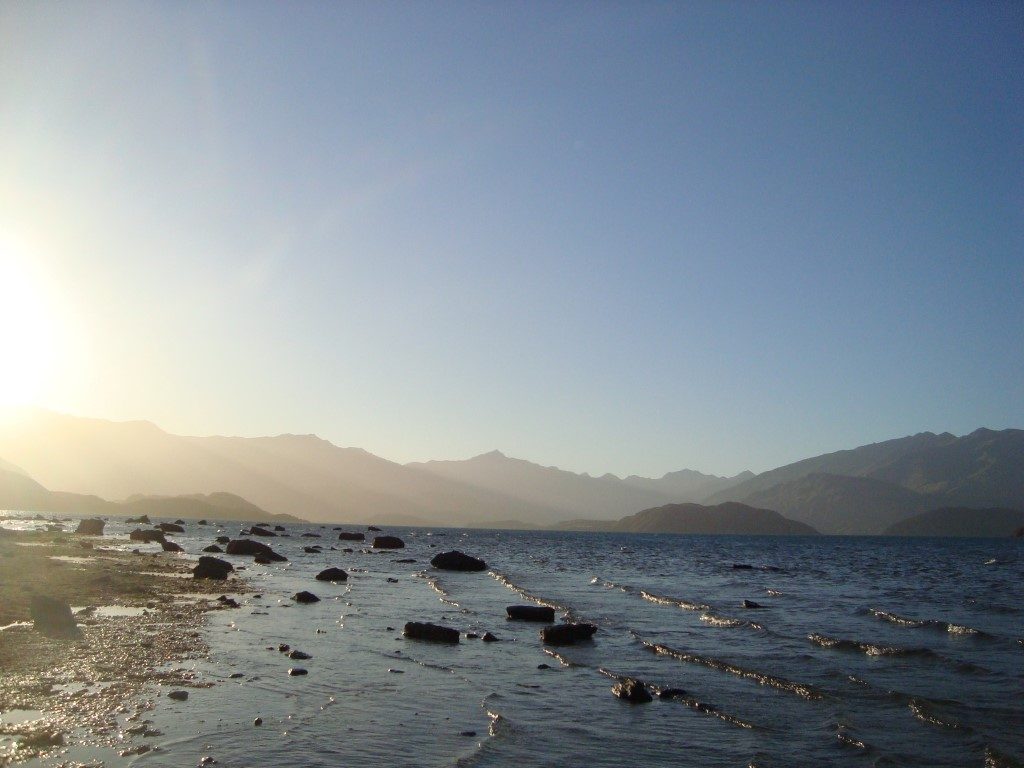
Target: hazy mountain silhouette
point(687, 485)
point(982, 469)
point(568, 494)
point(728, 518)
point(960, 521)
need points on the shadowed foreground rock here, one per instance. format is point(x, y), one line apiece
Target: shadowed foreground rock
point(388, 542)
point(457, 561)
point(415, 630)
point(91, 527)
point(170, 546)
point(632, 690)
point(146, 536)
point(212, 568)
point(52, 617)
point(567, 634)
point(255, 548)
point(332, 574)
point(542, 613)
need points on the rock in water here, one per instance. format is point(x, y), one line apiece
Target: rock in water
point(250, 547)
point(212, 568)
point(305, 597)
point(751, 604)
point(222, 539)
point(170, 546)
point(170, 527)
point(212, 548)
point(52, 617)
point(141, 519)
point(388, 542)
point(567, 634)
point(332, 574)
point(91, 527)
point(348, 536)
point(259, 531)
point(542, 613)
point(178, 695)
point(415, 630)
point(632, 690)
point(457, 561)
point(146, 536)
point(671, 693)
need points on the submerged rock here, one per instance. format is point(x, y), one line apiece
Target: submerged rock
point(222, 539)
point(350, 536)
point(52, 616)
point(567, 634)
point(178, 695)
point(332, 574)
point(305, 597)
point(388, 542)
point(296, 671)
point(278, 527)
point(632, 691)
point(541, 613)
point(90, 527)
point(671, 693)
point(258, 531)
point(457, 561)
point(489, 638)
point(299, 655)
point(250, 547)
point(170, 527)
point(415, 630)
point(212, 568)
point(212, 548)
point(312, 550)
point(751, 604)
point(373, 528)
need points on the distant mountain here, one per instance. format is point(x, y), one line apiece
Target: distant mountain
point(687, 485)
point(840, 504)
point(982, 469)
point(728, 518)
point(198, 506)
point(961, 521)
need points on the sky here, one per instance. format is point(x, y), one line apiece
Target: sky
point(625, 237)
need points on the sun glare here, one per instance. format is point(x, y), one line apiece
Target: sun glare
point(27, 334)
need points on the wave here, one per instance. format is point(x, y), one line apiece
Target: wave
point(725, 622)
point(686, 605)
point(871, 649)
point(800, 689)
point(443, 595)
point(925, 712)
point(506, 581)
point(942, 626)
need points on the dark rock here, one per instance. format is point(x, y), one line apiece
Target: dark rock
point(202, 522)
point(52, 616)
point(406, 560)
point(299, 655)
point(415, 630)
point(468, 733)
point(146, 536)
point(278, 527)
point(257, 531)
point(388, 542)
point(392, 580)
point(472, 636)
point(632, 690)
point(348, 550)
point(141, 519)
point(295, 671)
point(262, 560)
point(179, 521)
point(222, 539)
point(250, 547)
point(332, 574)
point(743, 566)
point(212, 548)
point(457, 561)
point(212, 568)
point(543, 666)
point(311, 550)
point(349, 536)
point(258, 721)
point(91, 527)
point(235, 676)
point(373, 528)
point(567, 634)
point(178, 695)
point(170, 527)
point(228, 602)
point(751, 604)
point(489, 638)
point(541, 613)
point(671, 693)
point(283, 648)
point(311, 535)
point(170, 546)
point(305, 597)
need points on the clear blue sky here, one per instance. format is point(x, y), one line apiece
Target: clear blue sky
point(625, 237)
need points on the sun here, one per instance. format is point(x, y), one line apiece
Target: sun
point(28, 343)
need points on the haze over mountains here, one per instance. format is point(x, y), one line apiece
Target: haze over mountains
point(860, 491)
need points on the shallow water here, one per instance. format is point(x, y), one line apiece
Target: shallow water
point(866, 651)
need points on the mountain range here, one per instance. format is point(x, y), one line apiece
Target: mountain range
point(864, 490)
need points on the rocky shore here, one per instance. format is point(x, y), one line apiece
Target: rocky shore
point(84, 675)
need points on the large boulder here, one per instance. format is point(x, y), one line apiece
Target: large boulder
point(542, 613)
point(170, 546)
point(457, 561)
point(332, 574)
point(415, 630)
point(388, 542)
point(212, 568)
point(170, 527)
point(90, 527)
point(305, 597)
point(52, 616)
point(146, 536)
point(350, 536)
point(567, 634)
point(632, 691)
point(255, 548)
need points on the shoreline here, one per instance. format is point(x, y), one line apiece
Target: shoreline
point(140, 617)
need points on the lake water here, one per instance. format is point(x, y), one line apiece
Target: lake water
point(865, 651)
